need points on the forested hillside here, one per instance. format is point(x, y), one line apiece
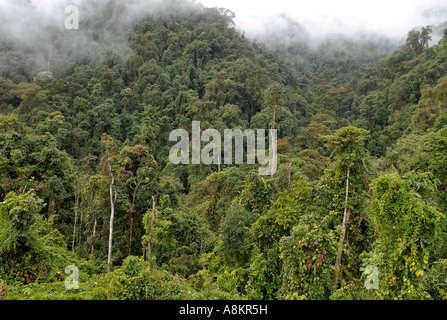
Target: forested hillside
point(84, 137)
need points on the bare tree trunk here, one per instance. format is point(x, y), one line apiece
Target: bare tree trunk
point(129, 245)
point(112, 215)
point(98, 204)
point(80, 232)
point(346, 214)
point(151, 233)
point(273, 128)
point(93, 237)
point(132, 206)
point(289, 174)
point(76, 220)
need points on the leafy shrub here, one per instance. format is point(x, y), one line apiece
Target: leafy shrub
point(29, 249)
point(308, 255)
point(435, 281)
point(407, 228)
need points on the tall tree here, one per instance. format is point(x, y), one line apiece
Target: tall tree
point(347, 144)
point(151, 232)
point(418, 41)
point(408, 233)
point(274, 99)
point(136, 171)
point(109, 150)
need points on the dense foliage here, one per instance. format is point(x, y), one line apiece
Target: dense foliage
point(84, 167)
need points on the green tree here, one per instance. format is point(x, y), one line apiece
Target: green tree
point(234, 230)
point(348, 145)
point(417, 41)
point(30, 249)
point(408, 233)
point(137, 170)
point(293, 203)
point(308, 256)
point(109, 150)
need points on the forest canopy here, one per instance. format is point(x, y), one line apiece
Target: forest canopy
point(86, 181)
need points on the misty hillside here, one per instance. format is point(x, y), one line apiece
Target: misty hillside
point(86, 178)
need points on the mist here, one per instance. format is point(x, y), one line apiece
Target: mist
point(392, 18)
point(33, 34)
point(371, 29)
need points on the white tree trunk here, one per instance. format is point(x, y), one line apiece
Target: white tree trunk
point(345, 222)
point(273, 142)
point(76, 220)
point(289, 174)
point(112, 215)
point(151, 233)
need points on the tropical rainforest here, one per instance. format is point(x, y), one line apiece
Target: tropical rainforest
point(356, 209)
